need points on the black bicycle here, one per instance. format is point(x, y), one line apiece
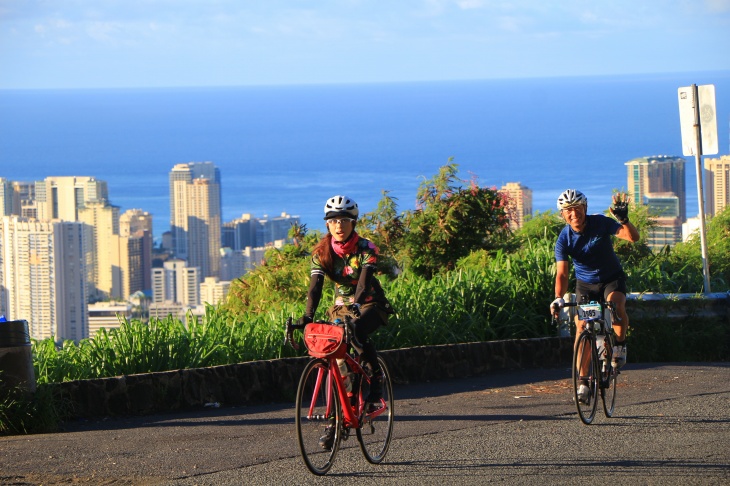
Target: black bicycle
point(593, 359)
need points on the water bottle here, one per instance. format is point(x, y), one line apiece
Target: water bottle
point(601, 346)
point(342, 365)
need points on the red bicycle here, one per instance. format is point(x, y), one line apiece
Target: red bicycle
point(331, 397)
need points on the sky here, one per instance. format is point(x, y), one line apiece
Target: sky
point(49, 44)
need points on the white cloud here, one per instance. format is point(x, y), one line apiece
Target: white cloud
point(718, 6)
point(469, 4)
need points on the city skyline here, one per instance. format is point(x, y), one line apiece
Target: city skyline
point(104, 44)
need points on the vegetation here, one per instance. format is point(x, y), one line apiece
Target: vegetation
point(452, 269)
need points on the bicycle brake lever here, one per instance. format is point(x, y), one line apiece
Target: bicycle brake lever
point(289, 337)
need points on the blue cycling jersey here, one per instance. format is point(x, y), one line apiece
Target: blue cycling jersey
point(592, 250)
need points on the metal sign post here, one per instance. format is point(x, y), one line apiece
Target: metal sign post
point(699, 130)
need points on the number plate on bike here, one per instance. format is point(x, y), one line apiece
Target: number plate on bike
point(590, 311)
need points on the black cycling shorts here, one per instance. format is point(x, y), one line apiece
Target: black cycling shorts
point(599, 292)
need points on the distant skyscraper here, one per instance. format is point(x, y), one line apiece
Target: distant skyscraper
point(106, 315)
point(135, 229)
point(275, 229)
point(659, 173)
point(6, 197)
point(520, 203)
point(103, 261)
point(24, 200)
point(248, 231)
point(195, 215)
point(176, 283)
point(659, 182)
point(43, 276)
point(240, 233)
point(717, 184)
point(213, 291)
point(62, 197)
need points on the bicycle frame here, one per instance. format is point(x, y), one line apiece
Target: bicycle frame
point(352, 419)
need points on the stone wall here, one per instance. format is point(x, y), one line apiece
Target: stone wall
point(270, 381)
point(276, 380)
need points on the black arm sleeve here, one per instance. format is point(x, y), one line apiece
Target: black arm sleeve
point(364, 284)
point(316, 282)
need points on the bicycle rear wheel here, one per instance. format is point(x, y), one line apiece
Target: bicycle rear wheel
point(609, 378)
point(586, 407)
point(318, 409)
point(376, 427)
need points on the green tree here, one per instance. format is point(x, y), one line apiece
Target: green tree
point(281, 277)
point(687, 256)
point(546, 225)
point(450, 221)
point(386, 229)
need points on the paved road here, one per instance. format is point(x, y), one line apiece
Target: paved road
point(672, 426)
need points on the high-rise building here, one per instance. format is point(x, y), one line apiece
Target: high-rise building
point(717, 184)
point(519, 203)
point(43, 276)
point(176, 282)
point(240, 233)
point(195, 215)
point(62, 197)
point(213, 291)
point(106, 315)
point(103, 260)
point(660, 173)
point(274, 229)
point(248, 231)
point(6, 197)
point(659, 182)
point(135, 230)
point(236, 263)
point(24, 200)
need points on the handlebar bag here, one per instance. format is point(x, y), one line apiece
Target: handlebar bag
point(325, 340)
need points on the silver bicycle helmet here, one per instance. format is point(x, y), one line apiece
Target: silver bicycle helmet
point(570, 198)
point(339, 206)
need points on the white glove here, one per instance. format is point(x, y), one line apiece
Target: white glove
point(557, 304)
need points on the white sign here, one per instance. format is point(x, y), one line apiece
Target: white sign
point(708, 120)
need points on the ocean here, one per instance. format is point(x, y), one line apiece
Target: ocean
point(289, 148)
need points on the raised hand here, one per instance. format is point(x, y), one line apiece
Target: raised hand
point(620, 207)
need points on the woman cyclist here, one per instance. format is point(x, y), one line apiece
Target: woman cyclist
point(349, 261)
point(586, 240)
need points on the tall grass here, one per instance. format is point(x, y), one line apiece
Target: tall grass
point(487, 296)
point(136, 346)
point(503, 297)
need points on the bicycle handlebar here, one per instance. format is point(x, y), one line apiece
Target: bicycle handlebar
point(609, 305)
point(349, 333)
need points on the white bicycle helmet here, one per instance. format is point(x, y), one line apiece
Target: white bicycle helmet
point(570, 198)
point(338, 206)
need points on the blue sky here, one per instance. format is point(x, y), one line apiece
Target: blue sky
point(161, 43)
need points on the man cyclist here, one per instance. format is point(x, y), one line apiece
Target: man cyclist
point(586, 240)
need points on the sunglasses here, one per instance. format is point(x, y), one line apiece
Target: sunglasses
point(342, 221)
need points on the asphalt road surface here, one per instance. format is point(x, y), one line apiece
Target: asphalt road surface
point(671, 426)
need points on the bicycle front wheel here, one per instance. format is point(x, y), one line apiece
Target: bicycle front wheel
point(319, 417)
point(585, 371)
point(376, 426)
point(609, 378)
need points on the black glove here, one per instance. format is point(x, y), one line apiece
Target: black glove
point(620, 211)
point(304, 320)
